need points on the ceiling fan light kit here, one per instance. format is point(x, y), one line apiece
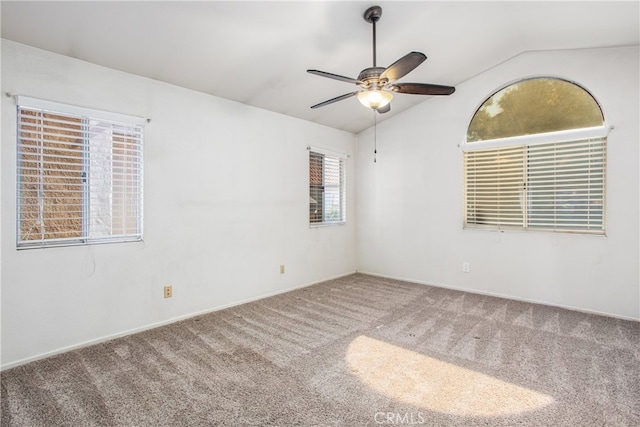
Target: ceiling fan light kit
point(374, 98)
point(376, 84)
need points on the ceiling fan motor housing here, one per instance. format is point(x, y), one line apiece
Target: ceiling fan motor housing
point(370, 77)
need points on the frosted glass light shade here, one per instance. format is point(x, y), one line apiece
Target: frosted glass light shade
point(374, 98)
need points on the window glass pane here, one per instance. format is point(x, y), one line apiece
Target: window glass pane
point(566, 185)
point(534, 106)
point(126, 176)
point(549, 181)
point(79, 178)
point(316, 199)
point(50, 177)
point(101, 179)
point(332, 190)
point(326, 189)
point(495, 187)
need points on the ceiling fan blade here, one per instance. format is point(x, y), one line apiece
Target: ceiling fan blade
point(384, 109)
point(334, 76)
point(403, 66)
point(336, 99)
point(422, 89)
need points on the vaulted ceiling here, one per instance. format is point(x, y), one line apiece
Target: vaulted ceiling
point(257, 53)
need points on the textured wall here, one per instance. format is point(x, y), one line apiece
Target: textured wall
point(226, 203)
point(410, 201)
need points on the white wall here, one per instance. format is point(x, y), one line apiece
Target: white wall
point(226, 193)
point(226, 202)
point(409, 203)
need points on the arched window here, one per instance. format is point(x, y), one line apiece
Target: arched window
point(534, 158)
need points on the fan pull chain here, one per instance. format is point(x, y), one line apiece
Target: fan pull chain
point(375, 136)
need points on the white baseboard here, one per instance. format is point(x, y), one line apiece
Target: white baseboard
point(162, 323)
point(505, 296)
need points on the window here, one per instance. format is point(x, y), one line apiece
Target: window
point(326, 187)
point(79, 175)
point(535, 159)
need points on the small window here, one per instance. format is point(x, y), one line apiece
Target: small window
point(535, 159)
point(79, 175)
point(326, 188)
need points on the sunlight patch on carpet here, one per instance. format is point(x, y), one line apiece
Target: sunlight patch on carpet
point(432, 384)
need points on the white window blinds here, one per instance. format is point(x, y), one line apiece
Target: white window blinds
point(557, 186)
point(565, 185)
point(79, 175)
point(326, 188)
point(495, 186)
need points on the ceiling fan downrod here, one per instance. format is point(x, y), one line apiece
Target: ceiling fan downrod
point(372, 15)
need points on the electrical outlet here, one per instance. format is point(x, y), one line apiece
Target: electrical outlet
point(465, 267)
point(281, 268)
point(168, 291)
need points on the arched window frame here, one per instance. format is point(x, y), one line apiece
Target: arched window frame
point(594, 133)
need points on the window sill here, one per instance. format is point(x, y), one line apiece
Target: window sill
point(70, 243)
point(327, 224)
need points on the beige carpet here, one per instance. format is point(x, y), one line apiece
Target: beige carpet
point(355, 351)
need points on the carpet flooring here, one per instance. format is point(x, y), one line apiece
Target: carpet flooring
point(355, 351)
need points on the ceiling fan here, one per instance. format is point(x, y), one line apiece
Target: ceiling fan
point(376, 84)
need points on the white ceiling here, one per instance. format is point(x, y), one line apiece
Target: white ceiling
point(257, 53)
